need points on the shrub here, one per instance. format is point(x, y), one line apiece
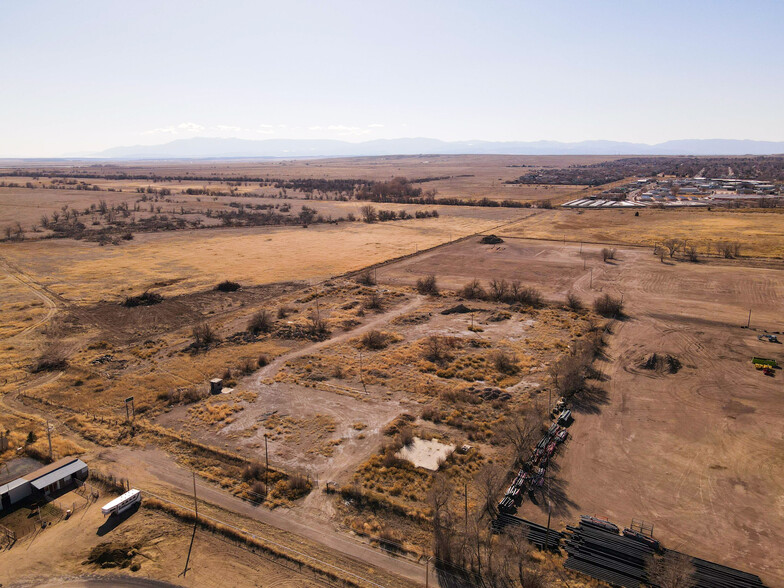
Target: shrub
point(608, 306)
point(247, 367)
point(529, 296)
point(366, 279)
point(263, 360)
point(374, 340)
point(573, 301)
point(203, 336)
point(52, 360)
point(473, 290)
point(436, 349)
point(608, 254)
point(227, 286)
point(373, 301)
point(505, 363)
point(145, 299)
point(427, 285)
point(261, 322)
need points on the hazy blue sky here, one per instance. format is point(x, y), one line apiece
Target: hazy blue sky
point(79, 76)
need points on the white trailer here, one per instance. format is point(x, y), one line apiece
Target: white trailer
point(122, 503)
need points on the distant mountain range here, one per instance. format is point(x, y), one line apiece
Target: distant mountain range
point(205, 147)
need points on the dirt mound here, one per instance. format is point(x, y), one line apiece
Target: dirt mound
point(661, 363)
point(113, 555)
point(491, 240)
point(459, 309)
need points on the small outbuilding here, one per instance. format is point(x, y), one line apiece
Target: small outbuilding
point(43, 481)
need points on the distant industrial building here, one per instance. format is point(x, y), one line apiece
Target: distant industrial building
point(43, 481)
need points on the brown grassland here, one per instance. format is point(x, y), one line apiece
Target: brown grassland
point(342, 366)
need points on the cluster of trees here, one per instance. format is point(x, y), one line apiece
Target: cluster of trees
point(502, 291)
point(672, 247)
point(371, 215)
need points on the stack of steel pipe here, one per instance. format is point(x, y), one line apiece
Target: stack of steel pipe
point(536, 534)
point(708, 574)
point(596, 549)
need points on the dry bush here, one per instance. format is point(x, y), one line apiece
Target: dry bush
point(499, 290)
point(317, 326)
point(253, 471)
point(728, 250)
point(691, 253)
point(247, 367)
point(505, 363)
point(374, 339)
point(473, 291)
point(529, 296)
point(285, 311)
point(227, 286)
point(51, 360)
point(672, 570)
point(263, 360)
point(261, 322)
point(259, 488)
point(608, 306)
point(405, 436)
point(436, 349)
point(573, 302)
point(427, 285)
point(608, 253)
point(373, 301)
point(203, 336)
point(366, 279)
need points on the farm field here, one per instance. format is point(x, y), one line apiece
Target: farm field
point(761, 234)
point(697, 453)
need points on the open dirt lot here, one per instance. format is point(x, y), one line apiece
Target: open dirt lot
point(760, 234)
point(59, 554)
point(698, 453)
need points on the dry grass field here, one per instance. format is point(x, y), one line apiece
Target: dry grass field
point(343, 372)
point(761, 234)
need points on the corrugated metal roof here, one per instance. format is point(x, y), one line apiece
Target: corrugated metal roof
point(58, 474)
point(13, 484)
point(34, 475)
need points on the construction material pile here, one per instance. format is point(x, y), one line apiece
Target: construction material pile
point(597, 549)
point(540, 536)
point(531, 475)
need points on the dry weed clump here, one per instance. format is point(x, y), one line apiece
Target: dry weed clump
point(214, 410)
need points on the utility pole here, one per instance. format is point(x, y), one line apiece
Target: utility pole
point(592, 278)
point(49, 437)
point(361, 376)
point(195, 524)
point(465, 490)
point(581, 247)
point(547, 535)
point(748, 324)
point(266, 466)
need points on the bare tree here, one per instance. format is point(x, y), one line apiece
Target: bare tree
point(490, 481)
point(473, 290)
point(261, 322)
point(673, 246)
point(203, 336)
point(521, 430)
point(672, 570)
point(427, 285)
point(573, 301)
point(369, 214)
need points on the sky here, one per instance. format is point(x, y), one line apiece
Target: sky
point(81, 76)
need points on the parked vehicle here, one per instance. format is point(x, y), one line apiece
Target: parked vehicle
point(122, 503)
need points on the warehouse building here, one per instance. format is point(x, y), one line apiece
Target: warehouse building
point(43, 481)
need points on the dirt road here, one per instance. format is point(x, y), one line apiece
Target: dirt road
point(153, 469)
